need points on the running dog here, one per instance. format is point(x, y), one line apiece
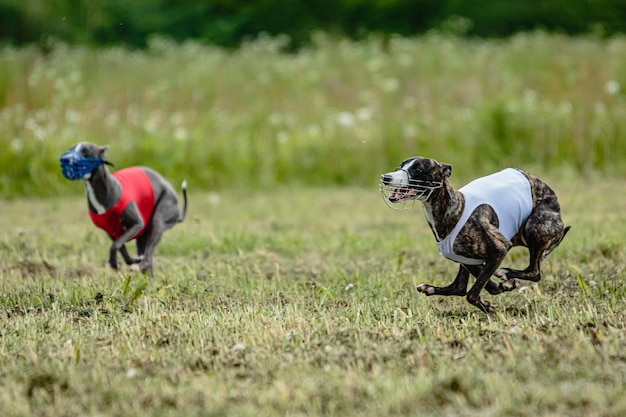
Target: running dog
point(132, 203)
point(478, 224)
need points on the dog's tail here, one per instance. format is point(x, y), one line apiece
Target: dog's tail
point(556, 243)
point(183, 213)
point(565, 231)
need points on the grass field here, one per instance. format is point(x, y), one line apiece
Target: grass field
point(337, 113)
point(302, 302)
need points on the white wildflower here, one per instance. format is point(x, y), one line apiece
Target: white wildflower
point(612, 87)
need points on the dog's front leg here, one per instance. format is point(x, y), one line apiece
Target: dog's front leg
point(118, 245)
point(127, 258)
point(484, 278)
point(458, 286)
point(133, 224)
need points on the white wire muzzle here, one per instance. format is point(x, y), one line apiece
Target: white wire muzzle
point(402, 196)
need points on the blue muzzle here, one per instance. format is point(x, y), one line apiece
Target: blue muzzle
point(74, 166)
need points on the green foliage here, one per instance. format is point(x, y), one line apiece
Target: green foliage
point(340, 112)
point(504, 17)
point(302, 301)
point(130, 295)
point(231, 22)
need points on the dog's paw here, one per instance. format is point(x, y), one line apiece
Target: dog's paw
point(481, 304)
point(510, 284)
point(136, 260)
point(501, 273)
point(426, 289)
point(135, 267)
point(485, 306)
point(488, 308)
point(146, 269)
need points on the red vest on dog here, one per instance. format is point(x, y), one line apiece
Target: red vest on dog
point(135, 186)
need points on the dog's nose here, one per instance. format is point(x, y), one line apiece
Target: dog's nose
point(385, 178)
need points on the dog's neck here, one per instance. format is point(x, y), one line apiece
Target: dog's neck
point(102, 190)
point(443, 210)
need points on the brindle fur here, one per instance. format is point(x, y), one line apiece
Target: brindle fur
point(480, 238)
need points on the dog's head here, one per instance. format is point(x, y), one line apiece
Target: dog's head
point(416, 179)
point(81, 160)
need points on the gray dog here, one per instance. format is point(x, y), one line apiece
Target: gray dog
point(478, 224)
point(132, 203)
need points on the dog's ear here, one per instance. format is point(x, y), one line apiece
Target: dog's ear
point(102, 151)
point(446, 169)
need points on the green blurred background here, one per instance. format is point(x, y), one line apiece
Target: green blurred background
point(228, 22)
point(257, 94)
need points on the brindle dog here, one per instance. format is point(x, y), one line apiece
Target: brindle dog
point(526, 204)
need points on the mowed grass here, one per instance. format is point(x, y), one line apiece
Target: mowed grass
point(302, 301)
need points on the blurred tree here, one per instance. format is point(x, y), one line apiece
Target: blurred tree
point(228, 22)
point(505, 17)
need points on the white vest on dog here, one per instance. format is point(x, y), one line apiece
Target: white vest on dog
point(507, 192)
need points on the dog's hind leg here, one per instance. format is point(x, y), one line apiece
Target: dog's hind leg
point(494, 287)
point(154, 234)
point(146, 262)
point(165, 215)
point(458, 286)
point(543, 233)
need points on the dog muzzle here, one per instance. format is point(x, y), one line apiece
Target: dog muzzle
point(400, 192)
point(74, 166)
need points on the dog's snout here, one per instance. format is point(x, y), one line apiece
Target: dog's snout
point(386, 179)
